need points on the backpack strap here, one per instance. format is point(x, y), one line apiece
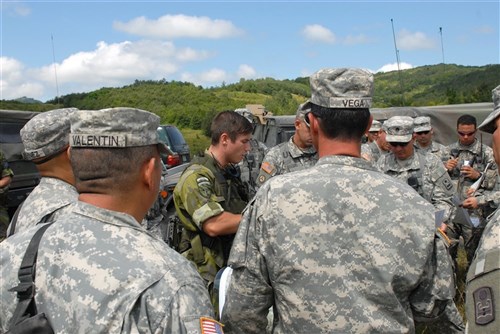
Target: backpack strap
point(13, 221)
point(26, 305)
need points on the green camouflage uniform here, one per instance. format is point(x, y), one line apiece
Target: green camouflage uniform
point(4, 215)
point(205, 190)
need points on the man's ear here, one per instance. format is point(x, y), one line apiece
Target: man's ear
point(148, 172)
point(224, 138)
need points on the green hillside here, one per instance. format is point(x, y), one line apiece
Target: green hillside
point(190, 106)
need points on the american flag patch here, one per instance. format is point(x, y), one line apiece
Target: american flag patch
point(210, 326)
point(267, 167)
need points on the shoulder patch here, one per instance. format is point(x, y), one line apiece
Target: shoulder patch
point(484, 307)
point(210, 326)
point(447, 183)
point(204, 186)
point(267, 167)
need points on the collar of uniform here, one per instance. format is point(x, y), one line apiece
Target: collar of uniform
point(474, 147)
point(346, 161)
point(297, 152)
point(396, 165)
point(106, 216)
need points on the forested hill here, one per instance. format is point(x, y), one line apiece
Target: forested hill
point(187, 105)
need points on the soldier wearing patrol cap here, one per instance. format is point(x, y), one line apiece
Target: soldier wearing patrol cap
point(46, 142)
point(296, 154)
point(482, 302)
point(378, 147)
point(374, 130)
point(423, 172)
point(423, 137)
point(98, 270)
point(328, 247)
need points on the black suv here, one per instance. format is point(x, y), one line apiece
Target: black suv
point(175, 141)
point(26, 176)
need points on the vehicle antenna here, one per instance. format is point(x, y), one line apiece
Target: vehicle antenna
point(55, 68)
point(399, 69)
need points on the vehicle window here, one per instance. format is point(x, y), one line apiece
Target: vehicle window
point(175, 136)
point(9, 132)
point(162, 136)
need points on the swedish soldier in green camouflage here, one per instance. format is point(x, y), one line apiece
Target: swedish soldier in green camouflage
point(210, 197)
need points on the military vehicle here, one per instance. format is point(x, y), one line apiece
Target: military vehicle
point(26, 176)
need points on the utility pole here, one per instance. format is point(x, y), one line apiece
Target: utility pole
point(399, 69)
point(442, 47)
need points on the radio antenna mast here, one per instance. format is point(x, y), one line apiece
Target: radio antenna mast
point(55, 69)
point(399, 69)
point(442, 47)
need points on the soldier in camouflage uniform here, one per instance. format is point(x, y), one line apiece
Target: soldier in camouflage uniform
point(46, 141)
point(98, 270)
point(210, 197)
point(6, 175)
point(339, 247)
point(466, 160)
point(423, 172)
point(374, 150)
point(373, 132)
point(423, 137)
point(482, 303)
point(296, 154)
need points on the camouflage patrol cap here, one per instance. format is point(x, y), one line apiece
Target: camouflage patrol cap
point(115, 128)
point(46, 134)
point(376, 126)
point(342, 88)
point(303, 109)
point(399, 129)
point(422, 123)
point(488, 124)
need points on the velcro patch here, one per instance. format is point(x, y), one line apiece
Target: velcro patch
point(210, 326)
point(447, 184)
point(267, 167)
point(484, 306)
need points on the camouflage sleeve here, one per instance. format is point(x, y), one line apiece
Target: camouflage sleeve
point(4, 165)
point(490, 178)
point(270, 166)
point(250, 294)
point(154, 313)
point(197, 194)
point(442, 196)
point(432, 301)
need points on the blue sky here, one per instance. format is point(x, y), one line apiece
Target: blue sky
point(51, 48)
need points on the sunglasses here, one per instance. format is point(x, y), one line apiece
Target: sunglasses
point(398, 144)
point(422, 132)
point(463, 134)
point(306, 119)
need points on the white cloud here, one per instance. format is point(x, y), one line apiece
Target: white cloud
point(246, 71)
point(356, 39)
point(318, 33)
point(16, 8)
point(177, 26)
point(108, 65)
point(407, 40)
point(394, 67)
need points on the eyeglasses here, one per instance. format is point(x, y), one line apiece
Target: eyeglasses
point(398, 144)
point(463, 134)
point(306, 119)
point(422, 132)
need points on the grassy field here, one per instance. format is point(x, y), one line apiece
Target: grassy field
point(196, 140)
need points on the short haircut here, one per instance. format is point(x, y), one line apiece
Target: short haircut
point(229, 122)
point(106, 170)
point(341, 123)
point(467, 120)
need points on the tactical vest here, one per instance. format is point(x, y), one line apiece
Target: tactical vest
point(416, 178)
point(211, 253)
